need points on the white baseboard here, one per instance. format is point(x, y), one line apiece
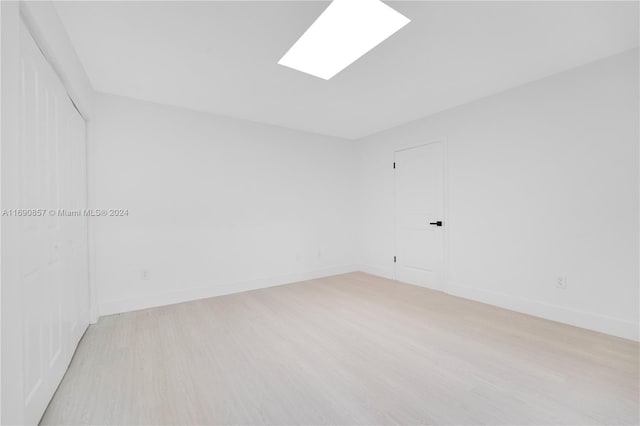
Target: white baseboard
point(589, 320)
point(133, 304)
point(378, 271)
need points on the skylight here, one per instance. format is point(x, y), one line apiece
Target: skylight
point(345, 31)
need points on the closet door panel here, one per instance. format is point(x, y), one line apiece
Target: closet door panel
point(52, 246)
point(33, 241)
point(78, 231)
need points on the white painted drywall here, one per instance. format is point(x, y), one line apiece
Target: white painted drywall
point(216, 205)
point(542, 182)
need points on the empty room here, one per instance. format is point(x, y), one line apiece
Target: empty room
point(325, 212)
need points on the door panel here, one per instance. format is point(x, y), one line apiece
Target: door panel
point(53, 266)
point(419, 189)
point(77, 228)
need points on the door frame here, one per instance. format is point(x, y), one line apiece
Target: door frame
point(445, 208)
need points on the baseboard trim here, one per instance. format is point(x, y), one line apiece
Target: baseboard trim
point(589, 320)
point(578, 318)
point(377, 271)
point(134, 304)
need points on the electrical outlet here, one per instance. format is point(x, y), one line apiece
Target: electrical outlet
point(144, 275)
point(561, 282)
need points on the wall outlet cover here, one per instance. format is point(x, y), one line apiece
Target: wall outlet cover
point(561, 282)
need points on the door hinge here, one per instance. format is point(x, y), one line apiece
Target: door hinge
point(394, 165)
point(394, 259)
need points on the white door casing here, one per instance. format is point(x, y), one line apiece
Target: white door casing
point(419, 215)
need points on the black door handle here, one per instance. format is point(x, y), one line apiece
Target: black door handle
point(438, 223)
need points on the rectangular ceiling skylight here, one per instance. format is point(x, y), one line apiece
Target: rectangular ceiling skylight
point(345, 31)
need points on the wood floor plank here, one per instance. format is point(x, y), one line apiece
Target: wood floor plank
point(350, 349)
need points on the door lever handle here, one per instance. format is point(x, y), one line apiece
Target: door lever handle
point(438, 223)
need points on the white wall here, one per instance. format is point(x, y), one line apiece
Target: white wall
point(542, 182)
point(216, 205)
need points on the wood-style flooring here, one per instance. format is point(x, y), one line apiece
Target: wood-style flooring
point(348, 349)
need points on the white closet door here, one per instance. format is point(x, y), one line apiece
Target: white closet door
point(78, 231)
point(53, 249)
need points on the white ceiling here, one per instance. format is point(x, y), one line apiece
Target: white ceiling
point(221, 57)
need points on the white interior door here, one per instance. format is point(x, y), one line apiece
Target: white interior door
point(419, 218)
point(52, 247)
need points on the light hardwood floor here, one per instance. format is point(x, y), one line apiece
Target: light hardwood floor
point(349, 349)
